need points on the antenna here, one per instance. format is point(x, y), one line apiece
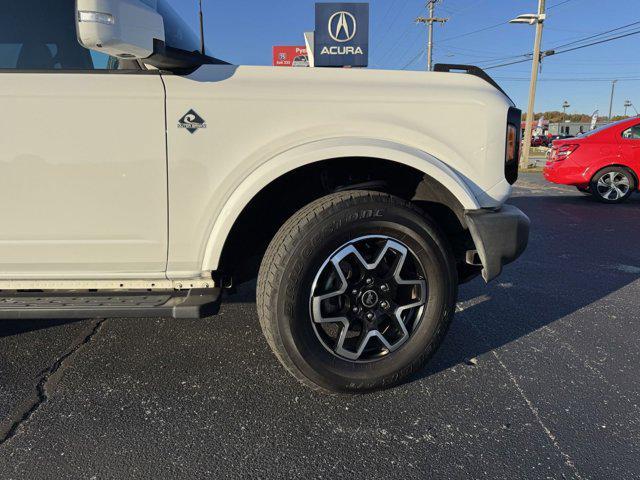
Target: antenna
point(202, 48)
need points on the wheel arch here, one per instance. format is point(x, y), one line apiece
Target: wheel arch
point(438, 182)
point(630, 169)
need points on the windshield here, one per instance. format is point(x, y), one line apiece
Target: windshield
point(178, 33)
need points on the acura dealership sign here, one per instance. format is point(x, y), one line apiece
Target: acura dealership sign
point(342, 35)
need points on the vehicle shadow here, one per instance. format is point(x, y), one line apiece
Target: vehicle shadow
point(580, 252)
point(9, 328)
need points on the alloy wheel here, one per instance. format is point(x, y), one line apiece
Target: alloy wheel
point(368, 298)
point(613, 186)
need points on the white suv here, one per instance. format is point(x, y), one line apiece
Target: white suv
point(140, 177)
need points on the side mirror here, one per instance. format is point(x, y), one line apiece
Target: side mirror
point(120, 28)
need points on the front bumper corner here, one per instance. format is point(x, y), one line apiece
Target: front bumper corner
point(500, 235)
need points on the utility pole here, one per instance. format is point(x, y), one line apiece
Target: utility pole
point(613, 91)
point(627, 104)
point(538, 21)
point(431, 5)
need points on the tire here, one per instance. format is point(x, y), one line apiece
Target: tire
point(613, 185)
point(298, 270)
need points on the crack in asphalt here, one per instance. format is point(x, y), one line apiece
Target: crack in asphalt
point(10, 427)
point(567, 460)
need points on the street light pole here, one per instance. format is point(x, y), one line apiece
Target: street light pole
point(538, 20)
point(565, 105)
point(613, 91)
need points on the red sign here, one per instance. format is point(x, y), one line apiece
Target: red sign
point(284, 56)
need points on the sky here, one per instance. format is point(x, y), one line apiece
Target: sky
point(244, 31)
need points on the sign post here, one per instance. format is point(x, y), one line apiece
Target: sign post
point(342, 35)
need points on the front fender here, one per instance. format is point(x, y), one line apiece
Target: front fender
point(318, 151)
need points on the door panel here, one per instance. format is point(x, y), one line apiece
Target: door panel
point(83, 186)
point(630, 147)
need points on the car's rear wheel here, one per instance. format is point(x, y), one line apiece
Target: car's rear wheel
point(613, 185)
point(356, 292)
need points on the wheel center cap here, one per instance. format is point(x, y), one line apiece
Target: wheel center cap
point(370, 298)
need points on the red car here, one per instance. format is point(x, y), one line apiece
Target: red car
point(604, 162)
point(540, 141)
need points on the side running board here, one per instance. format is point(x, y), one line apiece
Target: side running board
point(188, 304)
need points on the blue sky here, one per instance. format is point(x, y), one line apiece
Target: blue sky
point(244, 31)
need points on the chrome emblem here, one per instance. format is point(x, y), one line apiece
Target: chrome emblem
point(370, 299)
point(342, 27)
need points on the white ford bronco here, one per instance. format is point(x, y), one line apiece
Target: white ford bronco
point(140, 177)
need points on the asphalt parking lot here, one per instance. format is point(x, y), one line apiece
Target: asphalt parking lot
point(538, 378)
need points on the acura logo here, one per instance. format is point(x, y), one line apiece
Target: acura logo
point(342, 27)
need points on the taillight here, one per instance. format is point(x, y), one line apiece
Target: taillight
point(512, 141)
point(563, 152)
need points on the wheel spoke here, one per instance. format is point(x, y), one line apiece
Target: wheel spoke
point(318, 317)
point(613, 186)
point(387, 319)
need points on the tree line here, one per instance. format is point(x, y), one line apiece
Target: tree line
point(558, 117)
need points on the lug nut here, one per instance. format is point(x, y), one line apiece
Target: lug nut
point(354, 292)
point(384, 305)
point(369, 281)
point(355, 310)
point(370, 316)
point(384, 288)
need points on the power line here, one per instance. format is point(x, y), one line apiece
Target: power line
point(597, 35)
point(396, 44)
point(527, 56)
point(385, 34)
point(414, 59)
point(599, 42)
point(490, 27)
point(484, 29)
point(610, 39)
point(507, 64)
point(558, 4)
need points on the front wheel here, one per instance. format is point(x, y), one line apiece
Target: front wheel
point(356, 292)
point(612, 185)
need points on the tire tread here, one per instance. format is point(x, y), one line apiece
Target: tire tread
point(272, 271)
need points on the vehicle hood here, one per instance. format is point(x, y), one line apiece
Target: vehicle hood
point(356, 84)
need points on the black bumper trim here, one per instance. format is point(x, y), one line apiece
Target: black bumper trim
point(500, 236)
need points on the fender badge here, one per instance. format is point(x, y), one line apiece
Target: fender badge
point(192, 122)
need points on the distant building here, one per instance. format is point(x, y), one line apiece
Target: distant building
point(538, 127)
point(572, 128)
